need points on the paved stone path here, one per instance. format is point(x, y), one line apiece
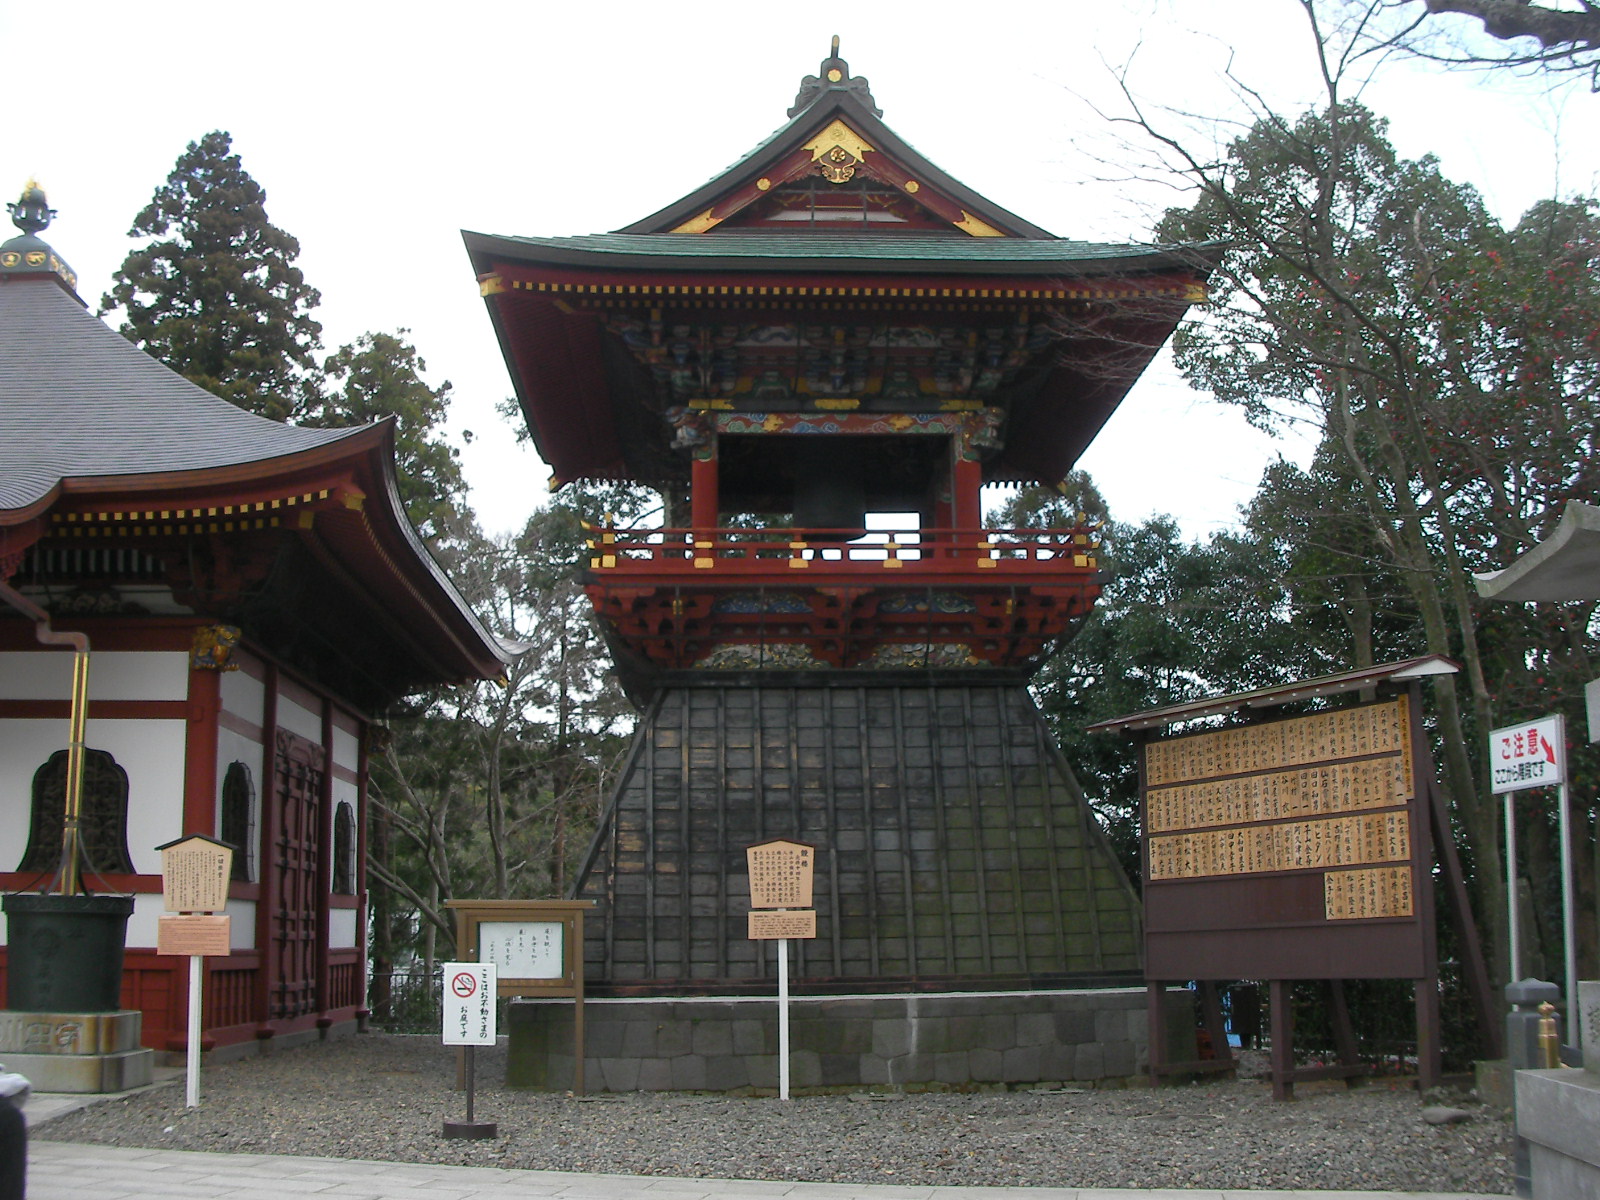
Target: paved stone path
point(65, 1171)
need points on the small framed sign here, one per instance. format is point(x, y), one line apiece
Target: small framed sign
point(536, 945)
point(780, 873)
point(769, 926)
point(194, 933)
point(533, 950)
point(194, 874)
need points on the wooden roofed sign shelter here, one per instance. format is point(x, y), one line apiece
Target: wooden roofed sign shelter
point(1298, 847)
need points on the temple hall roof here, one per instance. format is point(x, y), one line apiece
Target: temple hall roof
point(302, 531)
point(82, 401)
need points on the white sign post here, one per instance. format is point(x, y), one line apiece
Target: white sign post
point(195, 871)
point(469, 1020)
point(1534, 754)
point(780, 902)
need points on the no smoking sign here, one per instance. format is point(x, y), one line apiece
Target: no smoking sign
point(469, 1008)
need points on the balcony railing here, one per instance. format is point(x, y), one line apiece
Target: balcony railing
point(742, 552)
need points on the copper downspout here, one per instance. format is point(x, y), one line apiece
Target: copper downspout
point(68, 880)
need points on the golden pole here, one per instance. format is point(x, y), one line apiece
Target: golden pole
point(69, 876)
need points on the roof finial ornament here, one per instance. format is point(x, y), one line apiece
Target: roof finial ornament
point(26, 254)
point(833, 76)
point(31, 213)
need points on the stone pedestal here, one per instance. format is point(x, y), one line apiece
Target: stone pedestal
point(1558, 1115)
point(76, 1052)
point(938, 1041)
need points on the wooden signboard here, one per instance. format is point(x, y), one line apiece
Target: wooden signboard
point(780, 874)
point(194, 934)
point(1289, 849)
point(771, 926)
point(535, 945)
point(194, 874)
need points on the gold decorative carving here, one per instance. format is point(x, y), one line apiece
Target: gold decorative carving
point(837, 151)
point(836, 404)
point(835, 75)
point(491, 285)
point(913, 186)
point(837, 166)
point(971, 224)
point(699, 224)
point(763, 184)
point(212, 648)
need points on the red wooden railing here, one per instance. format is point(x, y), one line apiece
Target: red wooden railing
point(739, 552)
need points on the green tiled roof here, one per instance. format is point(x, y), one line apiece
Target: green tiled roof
point(893, 251)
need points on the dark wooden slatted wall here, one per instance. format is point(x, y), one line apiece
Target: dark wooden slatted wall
point(953, 841)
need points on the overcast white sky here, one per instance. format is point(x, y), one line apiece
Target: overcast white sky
point(381, 130)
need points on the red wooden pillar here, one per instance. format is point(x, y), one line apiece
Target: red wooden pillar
point(966, 502)
point(703, 492)
point(363, 962)
point(200, 753)
point(324, 834)
point(271, 885)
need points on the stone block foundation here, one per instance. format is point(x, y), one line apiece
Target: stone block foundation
point(925, 1041)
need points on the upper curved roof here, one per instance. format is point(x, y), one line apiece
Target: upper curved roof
point(846, 252)
point(97, 436)
point(80, 400)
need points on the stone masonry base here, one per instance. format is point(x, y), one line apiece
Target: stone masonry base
point(912, 1042)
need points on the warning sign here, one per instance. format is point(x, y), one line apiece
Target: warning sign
point(469, 1008)
point(1529, 755)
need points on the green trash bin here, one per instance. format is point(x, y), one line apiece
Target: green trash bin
point(64, 953)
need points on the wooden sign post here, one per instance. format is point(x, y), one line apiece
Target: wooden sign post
point(469, 1021)
point(536, 947)
point(194, 884)
point(780, 883)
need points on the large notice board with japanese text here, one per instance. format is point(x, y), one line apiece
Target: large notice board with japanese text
point(1288, 849)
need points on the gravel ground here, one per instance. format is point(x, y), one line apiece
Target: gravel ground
point(384, 1097)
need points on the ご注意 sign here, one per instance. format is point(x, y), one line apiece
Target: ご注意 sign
point(780, 873)
point(1529, 755)
point(773, 926)
point(194, 874)
point(469, 996)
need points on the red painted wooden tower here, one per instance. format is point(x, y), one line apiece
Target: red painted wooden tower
point(832, 328)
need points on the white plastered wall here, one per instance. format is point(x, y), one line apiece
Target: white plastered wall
point(299, 720)
point(113, 675)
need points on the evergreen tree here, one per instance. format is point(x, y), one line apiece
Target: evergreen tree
point(380, 375)
point(214, 292)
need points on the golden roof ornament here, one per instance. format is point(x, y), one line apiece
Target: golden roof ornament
point(833, 75)
point(27, 253)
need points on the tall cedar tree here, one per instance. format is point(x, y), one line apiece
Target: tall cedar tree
point(215, 293)
point(380, 375)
